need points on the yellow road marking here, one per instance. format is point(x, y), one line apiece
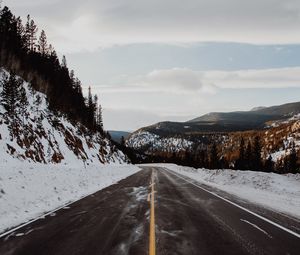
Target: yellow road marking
point(152, 219)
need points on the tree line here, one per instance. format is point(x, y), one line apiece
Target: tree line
point(25, 53)
point(249, 158)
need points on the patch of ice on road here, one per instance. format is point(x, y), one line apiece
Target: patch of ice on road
point(140, 193)
point(171, 233)
point(257, 227)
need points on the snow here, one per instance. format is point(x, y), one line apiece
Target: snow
point(274, 191)
point(48, 161)
point(70, 141)
point(142, 139)
point(29, 190)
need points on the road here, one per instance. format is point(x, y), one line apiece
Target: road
point(186, 219)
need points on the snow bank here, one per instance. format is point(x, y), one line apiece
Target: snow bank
point(29, 190)
point(274, 191)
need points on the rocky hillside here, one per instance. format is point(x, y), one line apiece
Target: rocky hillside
point(31, 132)
point(277, 139)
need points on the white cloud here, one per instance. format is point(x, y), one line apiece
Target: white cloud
point(77, 25)
point(263, 78)
point(172, 80)
point(183, 80)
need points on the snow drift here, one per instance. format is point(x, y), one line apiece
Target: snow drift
point(29, 190)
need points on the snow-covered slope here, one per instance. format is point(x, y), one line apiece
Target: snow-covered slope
point(144, 140)
point(39, 135)
point(275, 191)
point(277, 140)
point(29, 190)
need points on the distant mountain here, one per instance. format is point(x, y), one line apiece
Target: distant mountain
point(277, 127)
point(165, 135)
point(117, 135)
point(257, 108)
point(257, 115)
point(255, 119)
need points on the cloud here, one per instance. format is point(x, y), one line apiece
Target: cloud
point(77, 25)
point(263, 78)
point(187, 81)
point(173, 80)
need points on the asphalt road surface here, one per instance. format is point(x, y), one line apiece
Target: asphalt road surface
point(189, 219)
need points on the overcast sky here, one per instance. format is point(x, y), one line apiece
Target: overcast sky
point(175, 60)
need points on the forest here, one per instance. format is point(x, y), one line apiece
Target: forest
point(25, 52)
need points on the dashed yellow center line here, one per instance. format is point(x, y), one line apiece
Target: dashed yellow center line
point(152, 249)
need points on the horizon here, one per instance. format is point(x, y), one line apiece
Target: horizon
point(179, 63)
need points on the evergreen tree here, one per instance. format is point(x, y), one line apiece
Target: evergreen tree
point(214, 160)
point(123, 141)
point(37, 102)
point(292, 161)
point(248, 157)
point(224, 163)
point(240, 163)
point(64, 62)
point(269, 164)
point(72, 78)
point(10, 95)
point(27, 33)
point(31, 31)
point(23, 103)
point(257, 161)
point(100, 118)
point(43, 47)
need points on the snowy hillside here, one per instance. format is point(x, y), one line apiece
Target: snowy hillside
point(35, 134)
point(29, 190)
point(277, 141)
point(280, 139)
point(153, 142)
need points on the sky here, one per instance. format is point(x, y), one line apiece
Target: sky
point(150, 61)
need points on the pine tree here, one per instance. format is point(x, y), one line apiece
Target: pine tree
point(23, 103)
point(72, 78)
point(214, 160)
point(269, 164)
point(77, 86)
point(240, 163)
point(43, 47)
point(91, 114)
point(37, 102)
point(257, 161)
point(27, 33)
point(100, 118)
point(64, 62)
point(21, 32)
point(292, 160)
point(31, 31)
point(10, 95)
point(248, 157)
point(122, 142)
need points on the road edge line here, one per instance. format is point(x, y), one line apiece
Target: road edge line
point(239, 206)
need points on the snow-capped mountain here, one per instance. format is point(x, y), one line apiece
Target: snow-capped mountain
point(37, 134)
